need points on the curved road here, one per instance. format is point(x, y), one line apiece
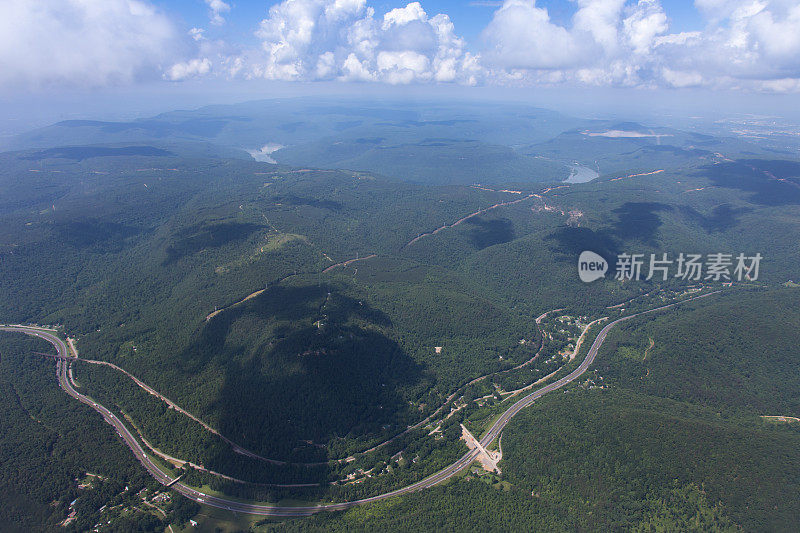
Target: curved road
point(278, 510)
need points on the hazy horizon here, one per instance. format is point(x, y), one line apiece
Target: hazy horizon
point(645, 60)
point(693, 109)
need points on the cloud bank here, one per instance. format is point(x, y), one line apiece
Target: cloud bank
point(215, 10)
point(748, 44)
point(343, 39)
point(83, 42)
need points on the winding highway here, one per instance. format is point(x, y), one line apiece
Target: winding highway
point(64, 361)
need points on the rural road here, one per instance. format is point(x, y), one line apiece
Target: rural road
point(467, 459)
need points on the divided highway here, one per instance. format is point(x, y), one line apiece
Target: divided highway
point(64, 362)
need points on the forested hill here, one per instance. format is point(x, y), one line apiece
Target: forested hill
point(133, 250)
point(667, 434)
point(310, 314)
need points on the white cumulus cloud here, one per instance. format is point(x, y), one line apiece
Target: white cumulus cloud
point(343, 39)
point(83, 42)
point(752, 44)
point(607, 42)
point(216, 8)
point(188, 69)
point(521, 35)
point(745, 43)
point(197, 34)
point(745, 40)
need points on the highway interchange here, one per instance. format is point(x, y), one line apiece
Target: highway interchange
point(64, 379)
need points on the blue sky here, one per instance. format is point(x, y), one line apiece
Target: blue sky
point(751, 45)
point(75, 55)
point(469, 17)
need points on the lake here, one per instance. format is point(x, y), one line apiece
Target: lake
point(581, 174)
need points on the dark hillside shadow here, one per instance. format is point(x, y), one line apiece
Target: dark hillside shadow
point(346, 124)
point(485, 233)
point(311, 202)
point(779, 168)
point(419, 124)
point(675, 150)
point(770, 182)
point(202, 127)
point(291, 127)
point(277, 304)
point(639, 220)
point(722, 217)
point(79, 153)
point(101, 235)
point(300, 368)
point(199, 237)
point(571, 241)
